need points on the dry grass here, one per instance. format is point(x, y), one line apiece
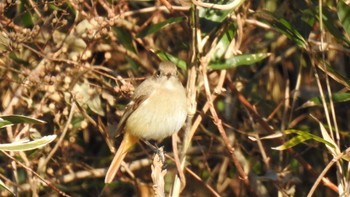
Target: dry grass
point(74, 64)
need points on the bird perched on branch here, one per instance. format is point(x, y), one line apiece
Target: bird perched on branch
point(157, 110)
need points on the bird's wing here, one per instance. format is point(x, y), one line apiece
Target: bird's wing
point(130, 108)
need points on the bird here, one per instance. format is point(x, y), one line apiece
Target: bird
point(158, 109)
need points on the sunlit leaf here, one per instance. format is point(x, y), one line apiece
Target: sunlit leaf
point(156, 27)
point(346, 157)
point(15, 119)
point(4, 123)
point(211, 19)
point(95, 105)
point(301, 137)
point(80, 93)
point(331, 146)
point(225, 41)
point(292, 142)
point(344, 15)
point(239, 60)
point(26, 145)
point(168, 57)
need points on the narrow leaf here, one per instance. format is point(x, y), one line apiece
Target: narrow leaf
point(333, 148)
point(292, 142)
point(239, 60)
point(156, 27)
point(26, 145)
point(15, 119)
point(125, 38)
point(334, 74)
point(344, 15)
point(314, 137)
point(284, 27)
point(27, 19)
point(329, 17)
point(336, 97)
point(168, 57)
point(4, 123)
point(302, 136)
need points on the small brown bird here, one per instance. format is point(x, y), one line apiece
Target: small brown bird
point(157, 110)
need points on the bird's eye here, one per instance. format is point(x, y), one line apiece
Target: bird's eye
point(158, 73)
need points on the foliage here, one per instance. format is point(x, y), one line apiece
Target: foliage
point(23, 144)
point(268, 89)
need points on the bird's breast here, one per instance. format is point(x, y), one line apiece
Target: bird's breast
point(160, 115)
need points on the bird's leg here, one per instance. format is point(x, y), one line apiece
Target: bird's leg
point(157, 150)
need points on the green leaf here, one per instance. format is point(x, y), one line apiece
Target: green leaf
point(325, 67)
point(302, 136)
point(336, 97)
point(168, 57)
point(284, 27)
point(125, 38)
point(211, 19)
point(329, 19)
point(27, 19)
point(344, 15)
point(15, 119)
point(239, 60)
point(52, 6)
point(18, 60)
point(4, 123)
point(156, 27)
point(305, 22)
point(292, 142)
point(25, 145)
point(225, 41)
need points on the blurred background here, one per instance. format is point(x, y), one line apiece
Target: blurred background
point(267, 82)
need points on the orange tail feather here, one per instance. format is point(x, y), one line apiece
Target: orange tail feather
point(127, 143)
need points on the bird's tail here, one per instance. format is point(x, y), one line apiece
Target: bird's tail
point(127, 142)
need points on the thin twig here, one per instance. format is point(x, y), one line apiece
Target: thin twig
point(270, 130)
point(211, 189)
point(177, 161)
point(325, 170)
point(218, 122)
point(36, 174)
point(191, 101)
point(63, 135)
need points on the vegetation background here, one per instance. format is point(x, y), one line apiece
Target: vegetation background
point(268, 88)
